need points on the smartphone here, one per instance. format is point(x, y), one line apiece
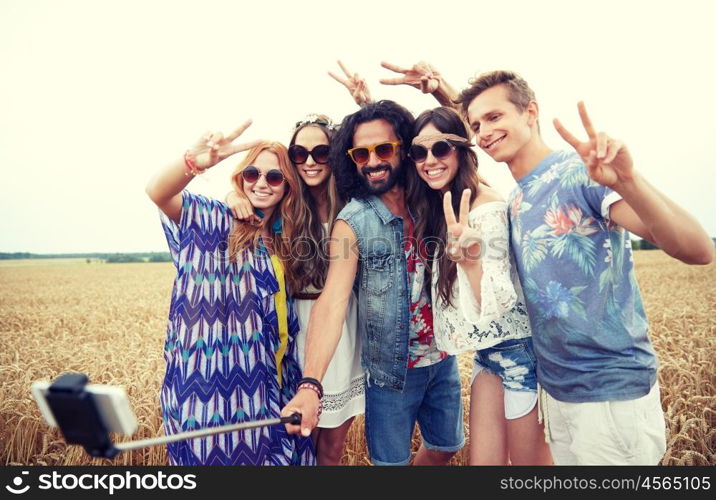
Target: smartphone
point(111, 402)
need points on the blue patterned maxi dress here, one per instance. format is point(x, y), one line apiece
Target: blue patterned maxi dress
point(220, 348)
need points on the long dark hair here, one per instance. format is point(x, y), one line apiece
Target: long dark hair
point(348, 181)
point(310, 243)
point(430, 225)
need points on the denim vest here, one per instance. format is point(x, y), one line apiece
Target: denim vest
point(381, 286)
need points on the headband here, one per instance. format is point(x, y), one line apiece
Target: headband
point(433, 138)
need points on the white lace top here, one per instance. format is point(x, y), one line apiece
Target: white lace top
point(502, 314)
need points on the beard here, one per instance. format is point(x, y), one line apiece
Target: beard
point(377, 188)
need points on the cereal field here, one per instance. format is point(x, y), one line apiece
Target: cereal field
point(108, 320)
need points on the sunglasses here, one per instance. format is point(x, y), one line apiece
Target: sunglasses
point(440, 150)
point(298, 154)
point(274, 177)
point(384, 151)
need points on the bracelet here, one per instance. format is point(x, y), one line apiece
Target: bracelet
point(191, 166)
point(315, 383)
point(310, 386)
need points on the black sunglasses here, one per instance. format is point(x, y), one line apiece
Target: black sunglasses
point(251, 174)
point(298, 154)
point(440, 150)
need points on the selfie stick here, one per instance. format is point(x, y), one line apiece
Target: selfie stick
point(80, 421)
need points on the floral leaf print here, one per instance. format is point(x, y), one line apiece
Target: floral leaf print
point(515, 207)
point(518, 195)
point(613, 320)
point(533, 186)
point(576, 304)
point(579, 248)
point(534, 248)
point(615, 240)
point(566, 219)
point(605, 278)
point(571, 230)
point(614, 259)
point(573, 174)
point(532, 291)
point(554, 301)
point(530, 288)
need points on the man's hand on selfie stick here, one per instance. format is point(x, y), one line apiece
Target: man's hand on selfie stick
point(306, 403)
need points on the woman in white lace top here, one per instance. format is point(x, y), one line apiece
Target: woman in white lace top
point(477, 298)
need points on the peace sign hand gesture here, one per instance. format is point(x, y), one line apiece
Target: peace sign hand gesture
point(356, 85)
point(213, 147)
point(607, 160)
point(463, 242)
point(422, 76)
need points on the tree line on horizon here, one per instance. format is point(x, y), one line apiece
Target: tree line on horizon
point(110, 258)
point(165, 257)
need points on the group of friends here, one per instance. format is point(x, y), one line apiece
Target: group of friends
point(343, 274)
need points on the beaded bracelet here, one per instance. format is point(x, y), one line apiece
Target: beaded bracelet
point(191, 166)
point(310, 386)
point(315, 382)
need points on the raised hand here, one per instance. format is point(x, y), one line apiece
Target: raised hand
point(422, 76)
point(356, 85)
point(463, 242)
point(214, 147)
point(607, 160)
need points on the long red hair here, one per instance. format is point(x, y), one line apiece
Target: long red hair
point(290, 209)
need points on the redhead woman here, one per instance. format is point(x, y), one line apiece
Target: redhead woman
point(230, 348)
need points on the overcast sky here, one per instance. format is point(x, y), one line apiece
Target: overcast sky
point(95, 96)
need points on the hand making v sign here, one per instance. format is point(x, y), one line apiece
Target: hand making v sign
point(607, 160)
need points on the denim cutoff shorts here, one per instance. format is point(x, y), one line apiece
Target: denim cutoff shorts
point(515, 363)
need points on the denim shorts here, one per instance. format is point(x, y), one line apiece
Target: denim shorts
point(515, 363)
point(432, 396)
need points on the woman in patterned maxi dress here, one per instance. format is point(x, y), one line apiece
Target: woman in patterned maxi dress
point(230, 349)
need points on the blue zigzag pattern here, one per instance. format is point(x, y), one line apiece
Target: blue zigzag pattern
point(222, 385)
point(220, 347)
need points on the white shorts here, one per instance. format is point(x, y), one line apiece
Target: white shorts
point(517, 403)
point(631, 432)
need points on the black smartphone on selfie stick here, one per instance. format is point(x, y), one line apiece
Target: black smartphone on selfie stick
point(87, 413)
